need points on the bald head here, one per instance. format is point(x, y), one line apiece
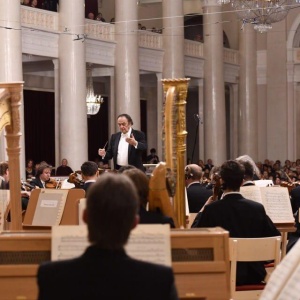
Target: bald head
point(193, 172)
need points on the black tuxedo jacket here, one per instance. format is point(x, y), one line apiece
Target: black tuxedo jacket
point(242, 218)
point(295, 199)
point(37, 182)
point(151, 217)
point(134, 154)
point(197, 195)
point(105, 274)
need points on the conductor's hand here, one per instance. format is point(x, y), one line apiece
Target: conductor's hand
point(102, 152)
point(131, 140)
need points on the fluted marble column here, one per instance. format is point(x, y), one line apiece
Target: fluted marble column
point(214, 91)
point(248, 142)
point(72, 82)
point(173, 39)
point(127, 60)
point(11, 62)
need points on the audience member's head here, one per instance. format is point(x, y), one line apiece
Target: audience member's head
point(232, 175)
point(111, 211)
point(141, 183)
point(91, 16)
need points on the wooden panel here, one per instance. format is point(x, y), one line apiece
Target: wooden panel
point(196, 277)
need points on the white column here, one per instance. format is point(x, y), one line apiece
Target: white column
point(173, 39)
point(214, 91)
point(159, 110)
point(58, 158)
point(248, 143)
point(11, 62)
point(202, 119)
point(72, 82)
point(127, 60)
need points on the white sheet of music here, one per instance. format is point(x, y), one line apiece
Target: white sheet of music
point(50, 207)
point(150, 243)
point(147, 242)
point(283, 283)
point(4, 200)
point(81, 207)
point(275, 199)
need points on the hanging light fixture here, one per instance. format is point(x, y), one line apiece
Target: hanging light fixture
point(261, 13)
point(93, 102)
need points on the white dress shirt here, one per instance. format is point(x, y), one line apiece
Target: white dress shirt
point(122, 157)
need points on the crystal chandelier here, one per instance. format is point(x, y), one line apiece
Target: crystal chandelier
point(261, 13)
point(93, 102)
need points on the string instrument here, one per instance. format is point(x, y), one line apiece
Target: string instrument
point(52, 184)
point(76, 179)
point(161, 187)
point(216, 182)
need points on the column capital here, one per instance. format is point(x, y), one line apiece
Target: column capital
point(207, 3)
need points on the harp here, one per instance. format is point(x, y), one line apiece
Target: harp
point(167, 180)
point(10, 101)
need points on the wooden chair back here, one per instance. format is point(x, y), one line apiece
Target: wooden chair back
point(250, 250)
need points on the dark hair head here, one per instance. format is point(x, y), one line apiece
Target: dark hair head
point(89, 168)
point(141, 182)
point(3, 167)
point(232, 173)
point(249, 172)
point(112, 204)
point(129, 119)
point(127, 167)
point(153, 150)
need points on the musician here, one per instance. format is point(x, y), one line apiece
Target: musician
point(4, 184)
point(42, 176)
point(249, 173)
point(152, 158)
point(4, 175)
point(241, 217)
point(125, 147)
point(104, 270)
point(89, 173)
point(141, 182)
point(197, 194)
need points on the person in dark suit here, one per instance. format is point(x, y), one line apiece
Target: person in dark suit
point(104, 270)
point(89, 173)
point(141, 182)
point(42, 176)
point(125, 147)
point(197, 194)
point(63, 169)
point(241, 217)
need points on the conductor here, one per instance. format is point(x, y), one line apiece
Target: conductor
point(125, 147)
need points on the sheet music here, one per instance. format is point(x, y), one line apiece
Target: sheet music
point(278, 204)
point(50, 207)
point(147, 242)
point(4, 200)
point(286, 273)
point(68, 241)
point(81, 208)
point(150, 243)
point(276, 201)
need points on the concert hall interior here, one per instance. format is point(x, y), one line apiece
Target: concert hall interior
point(236, 80)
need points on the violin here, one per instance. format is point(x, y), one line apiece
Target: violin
point(76, 179)
point(51, 184)
point(216, 181)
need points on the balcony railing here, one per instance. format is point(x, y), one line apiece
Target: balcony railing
point(48, 21)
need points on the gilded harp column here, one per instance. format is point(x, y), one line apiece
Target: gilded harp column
point(174, 140)
point(10, 101)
